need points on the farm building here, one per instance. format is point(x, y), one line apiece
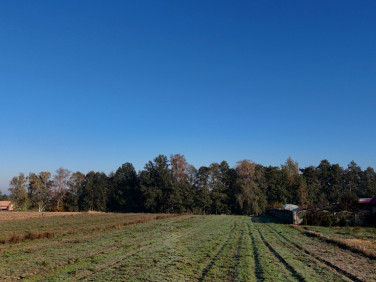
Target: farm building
point(6, 206)
point(368, 204)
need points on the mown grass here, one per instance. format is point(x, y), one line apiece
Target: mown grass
point(143, 247)
point(338, 260)
point(301, 265)
point(51, 226)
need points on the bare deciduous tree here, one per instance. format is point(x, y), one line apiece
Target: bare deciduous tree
point(18, 191)
point(60, 186)
point(40, 189)
point(179, 167)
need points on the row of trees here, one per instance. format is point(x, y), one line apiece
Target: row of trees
point(173, 185)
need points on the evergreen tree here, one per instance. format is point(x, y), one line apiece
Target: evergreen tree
point(368, 183)
point(277, 194)
point(93, 193)
point(156, 185)
point(126, 194)
point(202, 194)
point(310, 175)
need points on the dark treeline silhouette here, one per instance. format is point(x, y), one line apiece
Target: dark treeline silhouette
point(174, 186)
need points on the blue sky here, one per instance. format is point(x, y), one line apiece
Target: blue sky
point(89, 85)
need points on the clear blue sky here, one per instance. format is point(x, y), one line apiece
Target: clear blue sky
point(89, 85)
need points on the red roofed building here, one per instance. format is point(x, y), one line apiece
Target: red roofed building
point(6, 206)
point(367, 204)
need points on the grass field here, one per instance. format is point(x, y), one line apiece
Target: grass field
point(165, 247)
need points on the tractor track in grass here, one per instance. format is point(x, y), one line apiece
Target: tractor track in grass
point(256, 256)
point(120, 260)
point(330, 266)
point(212, 262)
point(108, 249)
point(289, 267)
point(238, 250)
point(92, 254)
point(113, 262)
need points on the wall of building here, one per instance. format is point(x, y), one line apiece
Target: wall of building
point(361, 218)
point(292, 217)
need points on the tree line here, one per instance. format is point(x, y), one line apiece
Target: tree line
point(172, 185)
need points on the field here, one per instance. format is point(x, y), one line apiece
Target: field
point(166, 247)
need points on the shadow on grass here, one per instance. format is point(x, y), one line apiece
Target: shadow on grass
point(282, 260)
point(217, 255)
point(268, 219)
point(256, 255)
point(338, 269)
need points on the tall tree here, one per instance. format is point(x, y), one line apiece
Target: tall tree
point(179, 167)
point(290, 171)
point(182, 194)
point(368, 183)
point(310, 175)
point(202, 199)
point(60, 186)
point(302, 192)
point(75, 183)
point(249, 196)
point(277, 193)
point(126, 195)
point(40, 189)
point(18, 191)
point(326, 182)
point(351, 184)
point(93, 193)
point(156, 185)
point(218, 187)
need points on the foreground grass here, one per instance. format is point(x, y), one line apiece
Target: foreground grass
point(145, 247)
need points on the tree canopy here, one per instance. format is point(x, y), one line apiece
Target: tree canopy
point(172, 185)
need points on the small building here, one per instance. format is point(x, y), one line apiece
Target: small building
point(6, 206)
point(367, 204)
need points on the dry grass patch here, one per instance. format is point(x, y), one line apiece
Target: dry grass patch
point(10, 215)
point(364, 247)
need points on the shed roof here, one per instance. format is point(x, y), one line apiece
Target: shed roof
point(370, 201)
point(364, 200)
point(5, 203)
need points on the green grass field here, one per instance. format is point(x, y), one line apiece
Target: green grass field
point(145, 247)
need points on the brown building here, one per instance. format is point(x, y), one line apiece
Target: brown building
point(6, 206)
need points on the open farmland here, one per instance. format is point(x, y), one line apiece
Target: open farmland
point(166, 247)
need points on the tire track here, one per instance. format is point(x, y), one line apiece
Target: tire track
point(217, 255)
point(238, 250)
point(98, 252)
point(330, 266)
point(290, 268)
point(160, 237)
point(113, 262)
point(258, 266)
point(108, 249)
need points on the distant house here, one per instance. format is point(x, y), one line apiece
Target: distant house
point(6, 206)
